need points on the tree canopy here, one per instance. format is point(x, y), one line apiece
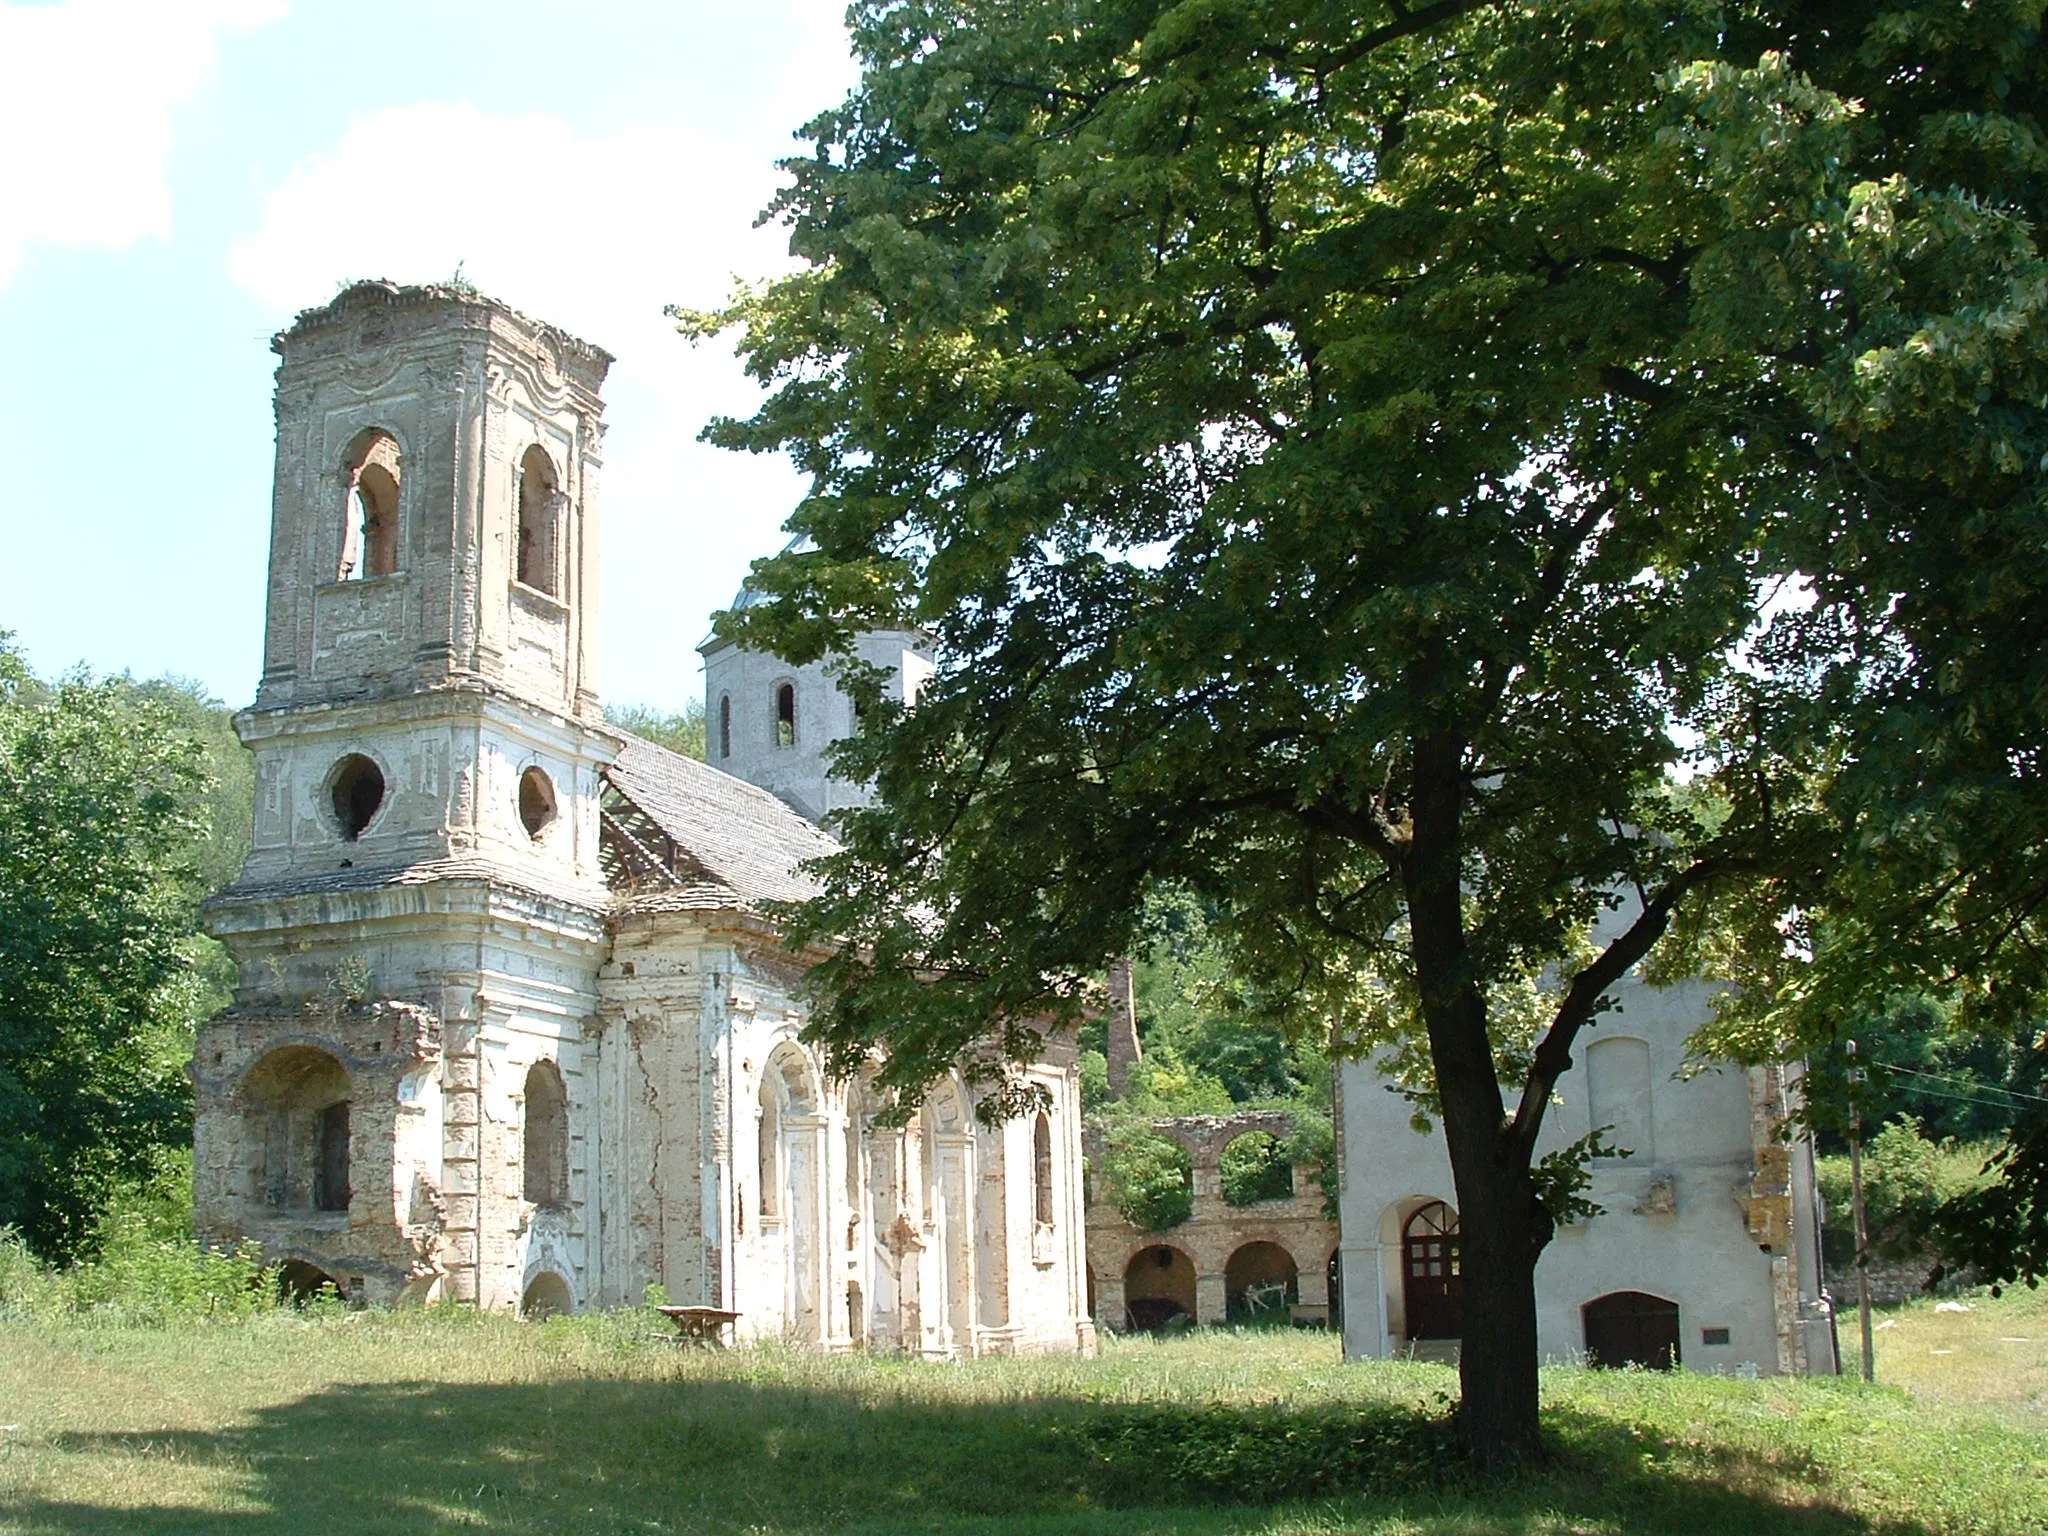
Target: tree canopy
point(104, 812)
point(1455, 486)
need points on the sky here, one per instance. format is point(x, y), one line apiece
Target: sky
point(181, 177)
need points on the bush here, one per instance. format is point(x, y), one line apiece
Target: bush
point(1256, 1167)
point(1906, 1178)
point(1148, 1177)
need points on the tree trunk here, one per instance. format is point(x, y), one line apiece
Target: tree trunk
point(1497, 1415)
point(1497, 1210)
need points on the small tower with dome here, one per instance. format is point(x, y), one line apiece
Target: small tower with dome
point(772, 724)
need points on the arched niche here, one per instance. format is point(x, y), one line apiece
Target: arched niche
point(547, 1294)
point(545, 1136)
point(296, 1104)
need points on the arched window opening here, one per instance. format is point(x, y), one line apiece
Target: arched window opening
point(536, 801)
point(547, 1294)
point(545, 1155)
point(725, 725)
point(785, 714)
point(1255, 1167)
point(1618, 1096)
point(1260, 1285)
point(297, 1106)
point(356, 791)
point(1632, 1328)
point(1159, 1289)
point(369, 535)
point(540, 516)
point(1432, 1279)
point(1041, 1170)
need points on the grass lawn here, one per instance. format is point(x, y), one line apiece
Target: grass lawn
point(448, 1422)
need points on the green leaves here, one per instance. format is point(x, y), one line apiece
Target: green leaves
point(102, 812)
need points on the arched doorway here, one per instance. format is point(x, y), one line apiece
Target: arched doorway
point(1159, 1288)
point(1335, 1272)
point(299, 1282)
point(546, 1295)
point(1432, 1287)
point(1631, 1328)
point(1260, 1284)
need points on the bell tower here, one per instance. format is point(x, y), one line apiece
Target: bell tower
point(422, 916)
point(435, 511)
point(429, 689)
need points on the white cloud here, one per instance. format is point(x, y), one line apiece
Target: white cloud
point(85, 114)
point(595, 234)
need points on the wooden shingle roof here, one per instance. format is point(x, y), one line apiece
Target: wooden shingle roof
point(680, 835)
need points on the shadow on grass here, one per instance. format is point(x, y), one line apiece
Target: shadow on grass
point(596, 1454)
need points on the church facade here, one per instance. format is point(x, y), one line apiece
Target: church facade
point(1705, 1252)
point(514, 1028)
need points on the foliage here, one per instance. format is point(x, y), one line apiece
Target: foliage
point(681, 731)
point(1255, 1167)
point(1356, 459)
point(1922, 1059)
point(1906, 1180)
point(103, 805)
point(1148, 1177)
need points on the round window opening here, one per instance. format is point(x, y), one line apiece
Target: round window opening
point(536, 801)
point(358, 789)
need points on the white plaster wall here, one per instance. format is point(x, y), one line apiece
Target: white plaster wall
point(1700, 1255)
point(799, 774)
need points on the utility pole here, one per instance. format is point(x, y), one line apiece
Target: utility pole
point(1856, 1199)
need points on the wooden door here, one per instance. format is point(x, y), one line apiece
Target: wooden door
point(1433, 1288)
point(1632, 1328)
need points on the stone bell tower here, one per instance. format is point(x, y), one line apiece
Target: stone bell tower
point(421, 918)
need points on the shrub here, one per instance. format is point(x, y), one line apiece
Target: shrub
point(1256, 1167)
point(1148, 1177)
point(1905, 1178)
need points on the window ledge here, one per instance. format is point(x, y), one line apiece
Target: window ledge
point(362, 583)
point(535, 597)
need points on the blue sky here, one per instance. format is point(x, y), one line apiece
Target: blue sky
point(181, 176)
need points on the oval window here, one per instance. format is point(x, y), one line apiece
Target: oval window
point(357, 790)
point(536, 801)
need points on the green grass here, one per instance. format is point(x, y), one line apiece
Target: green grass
point(443, 1422)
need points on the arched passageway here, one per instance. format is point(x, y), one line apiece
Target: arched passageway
point(1631, 1328)
point(1260, 1284)
point(1159, 1288)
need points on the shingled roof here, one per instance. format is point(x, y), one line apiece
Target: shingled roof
point(678, 834)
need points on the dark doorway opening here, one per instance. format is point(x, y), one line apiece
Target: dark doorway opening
point(1632, 1328)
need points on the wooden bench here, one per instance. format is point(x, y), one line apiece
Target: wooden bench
point(700, 1325)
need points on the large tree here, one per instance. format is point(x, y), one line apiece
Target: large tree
point(1350, 457)
point(102, 968)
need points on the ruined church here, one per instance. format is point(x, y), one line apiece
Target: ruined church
point(514, 1028)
